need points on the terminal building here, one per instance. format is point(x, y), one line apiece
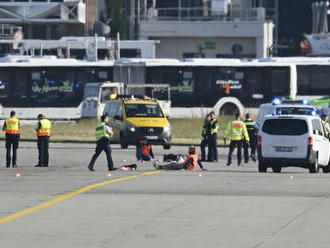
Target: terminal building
point(204, 28)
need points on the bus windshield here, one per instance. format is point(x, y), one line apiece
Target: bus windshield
point(143, 110)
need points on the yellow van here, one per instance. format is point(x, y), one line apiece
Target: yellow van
point(135, 117)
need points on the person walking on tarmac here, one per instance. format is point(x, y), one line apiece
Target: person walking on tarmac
point(236, 132)
point(189, 164)
point(144, 151)
point(251, 127)
point(43, 133)
point(11, 127)
point(205, 134)
point(325, 124)
point(102, 136)
point(212, 138)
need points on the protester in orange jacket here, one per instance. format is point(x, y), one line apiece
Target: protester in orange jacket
point(189, 164)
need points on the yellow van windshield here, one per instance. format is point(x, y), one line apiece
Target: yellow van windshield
point(143, 110)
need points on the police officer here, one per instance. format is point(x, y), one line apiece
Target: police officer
point(205, 134)
point(102, 135)
point(43, 133)
point(11, 127)
point(325, 124)
point(212, 138)
point(251, 127)
point(236, 132)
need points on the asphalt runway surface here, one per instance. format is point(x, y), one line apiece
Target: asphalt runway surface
point(66, 205)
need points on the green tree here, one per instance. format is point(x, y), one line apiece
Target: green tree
point(118, 19)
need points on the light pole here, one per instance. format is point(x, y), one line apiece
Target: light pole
point(277, 15)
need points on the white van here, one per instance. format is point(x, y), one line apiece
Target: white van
point(293, 140)
point(286, 107)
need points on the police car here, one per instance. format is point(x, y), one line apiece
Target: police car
point(286, 107)
point(293, 140)
point(133, 117)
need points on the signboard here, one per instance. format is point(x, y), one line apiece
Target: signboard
point(228, 85)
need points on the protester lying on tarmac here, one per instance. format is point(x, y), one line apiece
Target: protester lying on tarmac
point(189, 164)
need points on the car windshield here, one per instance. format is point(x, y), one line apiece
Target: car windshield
point(285, 127)
point(143, 110)
point(294, 110)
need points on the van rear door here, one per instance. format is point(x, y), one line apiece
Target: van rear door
point(284, 137)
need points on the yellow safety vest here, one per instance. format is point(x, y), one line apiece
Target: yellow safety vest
point(12, 126)
point(101, 132)
point(236, 130)
point(215, 129)
point(45, 128)
point(327, 131)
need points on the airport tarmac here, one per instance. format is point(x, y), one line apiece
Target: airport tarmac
point(66, 205)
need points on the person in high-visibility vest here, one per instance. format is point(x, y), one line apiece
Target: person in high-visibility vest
point(236, 132)
point(43, 133)
point(11, 127)
point(189, 164)
point(144, 150)
point(325, 124)
point(103, 133)
point(212, 139)
point(252, 129)
point(205, 135)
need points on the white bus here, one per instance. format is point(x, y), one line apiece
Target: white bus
point(230, 85)
point(55, 86)
point(47, 85)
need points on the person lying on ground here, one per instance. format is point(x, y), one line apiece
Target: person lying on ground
point(189, 164)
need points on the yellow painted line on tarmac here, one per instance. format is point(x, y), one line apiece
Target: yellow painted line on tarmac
point(72, 194)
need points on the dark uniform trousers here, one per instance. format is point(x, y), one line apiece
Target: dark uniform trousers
point(253, 145)
point(102, 145)
point(203, 144)
point(232, 146)
point(43, 146)
point(213, 149)
point(12, 141)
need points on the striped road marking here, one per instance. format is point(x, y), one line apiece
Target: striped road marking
point(70, 195)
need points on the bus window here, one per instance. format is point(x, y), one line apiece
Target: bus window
point(280, 82)
point(313, 79)
point(5, 82)
point(48, 86)
point(255, 83)
point(103, 75)
point(21, 93)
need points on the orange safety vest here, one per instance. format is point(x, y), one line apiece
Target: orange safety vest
point(45, 128)
point(194, 163)
point(12, 126)
point(146, 150)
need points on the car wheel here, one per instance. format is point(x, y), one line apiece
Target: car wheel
point(167, 147)
point(262, 168)
point(277, 169)
point(314, 168)
point(326, 169)
point(123, 144)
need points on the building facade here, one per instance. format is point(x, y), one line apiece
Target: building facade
point(206, 28)
point(50, 19)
